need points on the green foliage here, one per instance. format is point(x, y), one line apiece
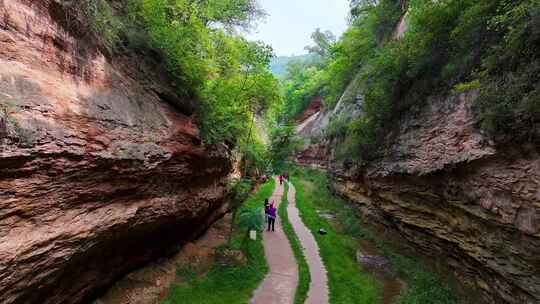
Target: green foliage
point(250, 219)
point(241, 190)
point(466, 86)
point(278, 65)
point(337, 128)
point(304, 78)
point(195, 40)
point(509, 102)
point(301, 83)
point(323, 42)
point(283, 144)
point(303, 269)
point(450, 46)
point(256, 156)
point(339, 61)
point(454, 44)
point(228, 283)
point(186, 272)
point(93, 20)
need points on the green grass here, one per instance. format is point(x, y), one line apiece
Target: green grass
point(229, 284)
point(423, 286)
point(347, 283)
point(303, 269)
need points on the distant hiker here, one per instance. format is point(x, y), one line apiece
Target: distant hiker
point(271, 213)
point(266, 206)
point(281, 179)
point(286, 175)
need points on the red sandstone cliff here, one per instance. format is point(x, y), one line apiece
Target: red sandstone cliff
point(453, 195)
point(101, 167)
point(445, 189)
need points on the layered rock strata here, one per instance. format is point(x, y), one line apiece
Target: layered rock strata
point(457, 197)
point(101, 166)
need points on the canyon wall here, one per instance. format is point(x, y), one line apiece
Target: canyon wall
point(456, 197)
point(101, 166)
point(442, 188)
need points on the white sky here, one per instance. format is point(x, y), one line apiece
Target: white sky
point(289, 23)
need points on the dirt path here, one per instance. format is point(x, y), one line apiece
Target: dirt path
point(318, 287)
point(280, 284)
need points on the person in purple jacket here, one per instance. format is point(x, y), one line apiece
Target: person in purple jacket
point(271, 214)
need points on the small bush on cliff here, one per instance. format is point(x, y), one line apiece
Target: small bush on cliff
point(509, 102)
point(91, 19)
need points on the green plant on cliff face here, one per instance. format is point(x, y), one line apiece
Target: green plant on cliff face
point(509, 102)
point(466, 86)
point(94, 19)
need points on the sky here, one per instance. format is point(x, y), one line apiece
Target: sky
point(289, 23)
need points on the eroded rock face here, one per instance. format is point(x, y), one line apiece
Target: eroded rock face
point(101, 167)
point(152, 283)
point(458, 198)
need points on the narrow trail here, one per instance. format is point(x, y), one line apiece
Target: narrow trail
point(279, 286)
point(318, 287)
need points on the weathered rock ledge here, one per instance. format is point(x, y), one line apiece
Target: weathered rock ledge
point(101, 167)
point(457, 198)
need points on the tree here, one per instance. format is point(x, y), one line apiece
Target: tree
point(323, 41)
point(283, 144)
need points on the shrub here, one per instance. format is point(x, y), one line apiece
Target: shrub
point(509, 101)
point(466, 86)
point(92, 19)
point(251, 219)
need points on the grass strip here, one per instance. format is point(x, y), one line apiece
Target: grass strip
point(423, 286)
point(346, 282)
point(229, 284)
point(303, 269)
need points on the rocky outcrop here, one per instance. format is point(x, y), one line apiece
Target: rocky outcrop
point(456, 197)
point(315, 105)
point(102, 168)
point(152, 283)
point(319, 146)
